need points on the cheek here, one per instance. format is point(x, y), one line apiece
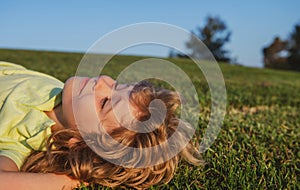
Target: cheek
point(86, 114)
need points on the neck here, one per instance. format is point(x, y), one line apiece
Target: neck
point(57, 116)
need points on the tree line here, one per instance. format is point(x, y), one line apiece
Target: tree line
point(284, 54)
point(280, 54)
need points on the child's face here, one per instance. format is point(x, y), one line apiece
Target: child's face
point(85, 102)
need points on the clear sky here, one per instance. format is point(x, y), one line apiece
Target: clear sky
point(75, 25)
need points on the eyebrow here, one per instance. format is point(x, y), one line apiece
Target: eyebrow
point(120, 86)
point(140, 85)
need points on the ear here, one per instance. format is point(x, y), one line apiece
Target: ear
point(72, 141)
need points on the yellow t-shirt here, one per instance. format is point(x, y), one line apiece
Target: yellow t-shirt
point(24, 95)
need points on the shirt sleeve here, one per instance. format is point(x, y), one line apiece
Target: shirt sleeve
point(24, 96)
point(16, 152)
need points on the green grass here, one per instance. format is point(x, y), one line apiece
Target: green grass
point(258, 146)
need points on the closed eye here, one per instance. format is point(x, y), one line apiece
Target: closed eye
point(103, 102)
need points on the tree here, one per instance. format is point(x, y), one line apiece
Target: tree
point(284, 54)
point(214, 34)
point(294, 58)
point(274, 56)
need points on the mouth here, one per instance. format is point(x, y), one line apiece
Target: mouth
point(83, 84)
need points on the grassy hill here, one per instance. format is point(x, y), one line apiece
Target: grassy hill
point(258, 146)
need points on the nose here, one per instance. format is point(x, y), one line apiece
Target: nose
point(105, 85)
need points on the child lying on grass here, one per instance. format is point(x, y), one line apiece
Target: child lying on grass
point(42, 142)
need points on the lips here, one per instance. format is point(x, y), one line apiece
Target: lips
point(83, 83)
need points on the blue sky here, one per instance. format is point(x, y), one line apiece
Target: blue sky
point(76, 25)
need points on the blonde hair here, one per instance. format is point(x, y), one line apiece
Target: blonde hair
point(79, 161)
